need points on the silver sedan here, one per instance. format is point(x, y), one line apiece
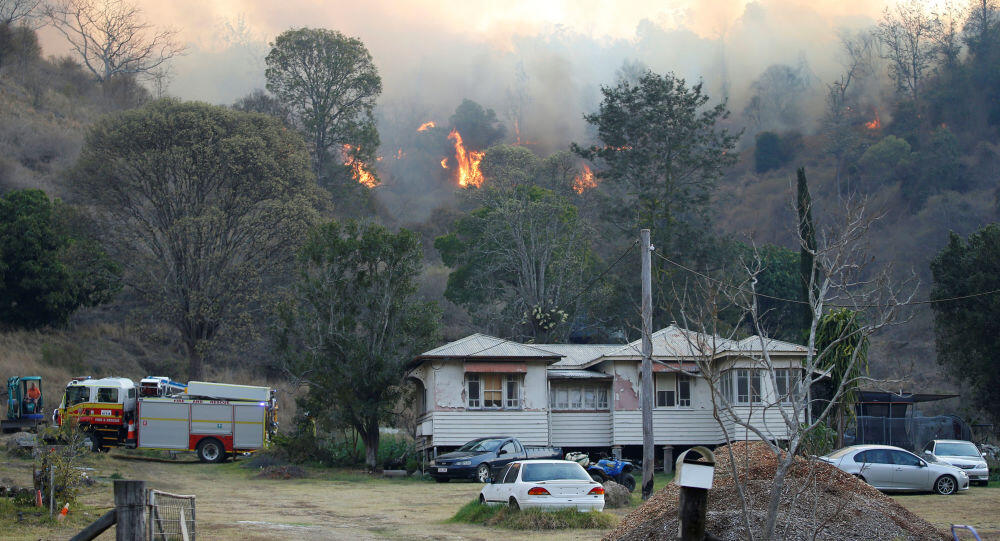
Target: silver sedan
point(893, 469)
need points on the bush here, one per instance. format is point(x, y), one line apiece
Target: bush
point(341, 450)
point(773, 151)
point(502, 516)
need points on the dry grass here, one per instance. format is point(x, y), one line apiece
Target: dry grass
point(978, 507)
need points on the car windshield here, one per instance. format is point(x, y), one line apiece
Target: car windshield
point(549, 471)
point(957, 449)
point(486, 445)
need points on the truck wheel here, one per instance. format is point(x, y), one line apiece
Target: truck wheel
point(210, 450)
point(628, 482)
point(94, 442)
point(483, 473)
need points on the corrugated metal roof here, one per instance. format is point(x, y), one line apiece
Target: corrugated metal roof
point(485, 346)
point(752, 344)
point(674, 342)
point(570, 373)
point(579, 354)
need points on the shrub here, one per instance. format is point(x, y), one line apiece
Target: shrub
point(773, 151)
point(502, 516)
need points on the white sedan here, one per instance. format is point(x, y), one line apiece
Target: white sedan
point(545, 484)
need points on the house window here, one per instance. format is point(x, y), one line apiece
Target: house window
point(579, 397)
point(494, 391)
point(673, 390)
point(745, 390)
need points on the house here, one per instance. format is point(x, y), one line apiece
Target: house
point(585, 396)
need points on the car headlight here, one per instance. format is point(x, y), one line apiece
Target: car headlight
point(464, 463)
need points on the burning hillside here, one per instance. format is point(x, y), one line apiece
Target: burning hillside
point(584, 181)
point(359, 171)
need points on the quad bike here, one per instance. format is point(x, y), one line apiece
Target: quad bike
point(617, 470)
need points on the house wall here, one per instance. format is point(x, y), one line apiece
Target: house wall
point(581, 429)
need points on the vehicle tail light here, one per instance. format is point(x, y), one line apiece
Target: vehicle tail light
point(596, 491)
point(538, 491)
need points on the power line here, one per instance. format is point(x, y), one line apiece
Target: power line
point(799, 301)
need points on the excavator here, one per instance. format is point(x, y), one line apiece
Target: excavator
point(24, 404)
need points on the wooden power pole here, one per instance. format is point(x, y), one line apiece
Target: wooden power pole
point(648, 461)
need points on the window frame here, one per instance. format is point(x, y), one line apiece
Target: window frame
point(752, 381)
point(510, 391)
point(560, 396)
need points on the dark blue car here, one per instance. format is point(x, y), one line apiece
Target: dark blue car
point(479, 458)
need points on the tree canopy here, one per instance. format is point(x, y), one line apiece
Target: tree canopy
point(48, 267)
point(967, 331)
point(202, 204)
point(353, 324)
point(330, 83)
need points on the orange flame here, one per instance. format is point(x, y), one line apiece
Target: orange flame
point(444, 163)
point(358, 171)
point(426, 126)
point(468, 162)
point(400, 154)
point(584, 181)
point(875, 123)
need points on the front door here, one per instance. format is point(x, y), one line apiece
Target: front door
point(909, 472)
point(507, 453)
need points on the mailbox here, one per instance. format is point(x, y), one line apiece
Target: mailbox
point(693, 473)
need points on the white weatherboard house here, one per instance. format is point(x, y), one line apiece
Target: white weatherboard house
point(587, 396)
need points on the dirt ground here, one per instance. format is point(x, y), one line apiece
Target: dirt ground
point(338, 504)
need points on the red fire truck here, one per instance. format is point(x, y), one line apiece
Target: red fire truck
point(215, 420)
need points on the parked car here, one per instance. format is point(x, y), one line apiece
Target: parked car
point(893, 469)
point(482, 457)
point(961, 454)
point(544, 484)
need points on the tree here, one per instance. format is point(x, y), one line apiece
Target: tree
point(330, 83)
point(19, 12)
point(49, 268)
point(478, 126)
point(846, 359)
point(518, 261)
point(807, 250)
point(966, 331)
point(203, 204)
point(259, 101)
point(843, 101)
point(354, 323)
point(111, 37)
point(908, 35)
point(777, 97)
point(772, 151)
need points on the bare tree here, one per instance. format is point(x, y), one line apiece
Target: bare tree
point(112, 38)
point(840, 277)
point(909, 35)
point(24, 12)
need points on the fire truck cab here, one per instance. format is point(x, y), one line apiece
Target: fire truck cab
point(102, 407)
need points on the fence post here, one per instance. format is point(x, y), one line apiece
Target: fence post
point(130, 506)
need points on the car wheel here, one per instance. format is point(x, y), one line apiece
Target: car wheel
point(598, 477)
point(861, 477)
point(628, 482)
point(483, 473)
point(210, 450)
point(513, 504)
point(945, 485)
point(482, 500)
point(442, 479)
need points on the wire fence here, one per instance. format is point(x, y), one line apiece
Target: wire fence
point(171, 516)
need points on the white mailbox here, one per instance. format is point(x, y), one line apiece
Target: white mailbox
point(695, 473)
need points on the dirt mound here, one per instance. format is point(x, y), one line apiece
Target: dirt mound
point(817, 498)
point(281, 472)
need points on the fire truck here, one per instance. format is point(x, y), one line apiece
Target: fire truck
point(215, 420)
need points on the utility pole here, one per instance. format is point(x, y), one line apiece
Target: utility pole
point(648, 461)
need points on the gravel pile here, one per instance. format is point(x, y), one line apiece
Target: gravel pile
point(817, 498)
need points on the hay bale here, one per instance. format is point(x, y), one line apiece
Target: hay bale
point(817, 497)
point(616, 495)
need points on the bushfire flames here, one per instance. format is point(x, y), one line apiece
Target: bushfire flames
point(468, 162)
point(875, 123)
point(584, 181)
point(358, 171)
point(444, 163)
point(426, 126)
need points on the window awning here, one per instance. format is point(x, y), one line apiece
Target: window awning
point(673, 366)
point(497, 367)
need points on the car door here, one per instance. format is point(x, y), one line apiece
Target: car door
point(909, 472)
point(876, 467)
point(492, 489)
point(506, 489)
point(506, 453)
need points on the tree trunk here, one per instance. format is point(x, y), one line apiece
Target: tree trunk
point(195, 364)
point(370, 438)
point(841, 425)
point(775, 501)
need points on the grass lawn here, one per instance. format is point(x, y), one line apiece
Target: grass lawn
point(978, 507)
point(660, 480)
